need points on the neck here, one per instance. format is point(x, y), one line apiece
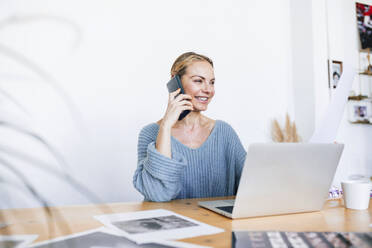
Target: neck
point(192, 119)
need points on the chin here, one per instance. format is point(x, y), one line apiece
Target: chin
point(200, 109)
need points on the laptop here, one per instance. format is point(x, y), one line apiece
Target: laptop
point(282, 178)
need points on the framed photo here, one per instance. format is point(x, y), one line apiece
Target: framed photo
point(336, 72)
point(360, 111)
point(364, 21)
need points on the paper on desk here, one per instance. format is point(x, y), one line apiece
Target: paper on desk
point(16, 241)
point(3, 224)
point(105, 238)
point(326, 132)
point(153, 225)
point(160, 244)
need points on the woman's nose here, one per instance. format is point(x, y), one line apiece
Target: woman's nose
point(207, 87)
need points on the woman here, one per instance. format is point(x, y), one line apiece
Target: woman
point(196, 156)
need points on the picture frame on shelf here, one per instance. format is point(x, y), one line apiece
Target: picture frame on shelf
point(360, 110)
point(364, 22)
point(335, 73)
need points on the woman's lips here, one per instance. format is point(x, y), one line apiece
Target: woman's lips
point(202, 99)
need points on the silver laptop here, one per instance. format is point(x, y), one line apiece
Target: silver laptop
point(282, 178)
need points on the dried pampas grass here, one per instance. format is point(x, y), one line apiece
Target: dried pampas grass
point(287, 134)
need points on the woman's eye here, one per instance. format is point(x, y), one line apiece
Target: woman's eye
point(198, 81)
point(212, 83)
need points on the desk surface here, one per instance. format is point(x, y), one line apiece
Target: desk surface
point(73, 219)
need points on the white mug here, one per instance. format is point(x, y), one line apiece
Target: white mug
point(356, 194)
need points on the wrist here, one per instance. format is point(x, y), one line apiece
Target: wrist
point(165, 126)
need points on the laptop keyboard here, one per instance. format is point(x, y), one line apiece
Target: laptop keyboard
point(229, 202)
point(228, 209)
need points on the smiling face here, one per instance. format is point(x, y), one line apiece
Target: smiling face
point(198, 82)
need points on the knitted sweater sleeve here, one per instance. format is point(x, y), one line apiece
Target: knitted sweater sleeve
point(236, 153)
point(157, 177)
point(240, 155)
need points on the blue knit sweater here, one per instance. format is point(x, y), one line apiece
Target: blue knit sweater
point(212, 170)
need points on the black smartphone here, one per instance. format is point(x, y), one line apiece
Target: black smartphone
point(173, 85)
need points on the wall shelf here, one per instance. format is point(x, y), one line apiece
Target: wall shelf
point(359, 106)
point(361, 122)
point(357, 98)
point(365, 73)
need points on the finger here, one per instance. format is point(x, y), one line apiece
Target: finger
point(173, 94)
point(184, 102)
point(181, 97)
point(186, 107)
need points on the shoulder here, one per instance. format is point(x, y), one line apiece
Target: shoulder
point(228, 133)
point(230, 139)
point(149, 131)
point(224, 127)
point(208, 123)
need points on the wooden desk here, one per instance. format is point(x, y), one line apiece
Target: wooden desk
point(72, 219)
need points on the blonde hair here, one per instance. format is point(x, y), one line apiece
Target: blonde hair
point(184, 60)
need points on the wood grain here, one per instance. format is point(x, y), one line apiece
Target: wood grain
point(71, 219)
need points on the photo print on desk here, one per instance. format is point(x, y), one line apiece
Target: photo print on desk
point(104, 238)
point(16, 241)
point(159, 224)
point(153, 224)
point(10, 243)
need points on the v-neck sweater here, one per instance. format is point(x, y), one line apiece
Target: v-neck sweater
point(211, 170)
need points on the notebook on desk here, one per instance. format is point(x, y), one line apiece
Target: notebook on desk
point(282, 178)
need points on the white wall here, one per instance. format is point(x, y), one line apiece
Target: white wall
point(113, 59)
point(303, 66)
point(344, 46)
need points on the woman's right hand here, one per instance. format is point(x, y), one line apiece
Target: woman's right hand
point(176, 105)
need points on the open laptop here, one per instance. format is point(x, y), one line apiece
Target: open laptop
point(282, 178)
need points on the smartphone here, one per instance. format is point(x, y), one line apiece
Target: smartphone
point(172, 86)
